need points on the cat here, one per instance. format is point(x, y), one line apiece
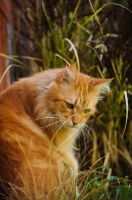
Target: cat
point(40, 118)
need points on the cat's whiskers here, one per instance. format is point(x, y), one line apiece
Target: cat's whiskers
point(49, 120)
point(42, 117)
point(60, 129)
point(53, 123)
point(58, 126)
point(66, 120)
point(83, 132)
point(87, 130)
point(56, 131)
point(60, 116)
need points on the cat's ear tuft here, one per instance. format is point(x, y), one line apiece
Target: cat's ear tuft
point(67, 75)
point(72, 69)
point(102, 86)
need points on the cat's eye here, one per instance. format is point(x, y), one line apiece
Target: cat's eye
point(69, 105)
point(87, 110)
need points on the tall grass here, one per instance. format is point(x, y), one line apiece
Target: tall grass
point(102, 35)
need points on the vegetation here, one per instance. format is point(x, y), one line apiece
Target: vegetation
point(101, 31)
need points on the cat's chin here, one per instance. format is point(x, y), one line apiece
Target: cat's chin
point(76, 127)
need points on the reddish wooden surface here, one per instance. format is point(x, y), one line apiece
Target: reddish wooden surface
point(9, 15)
point(5, 16)
point(3, 48)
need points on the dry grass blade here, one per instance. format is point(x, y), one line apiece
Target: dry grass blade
point(126, 100)
point(13, 59)
point(75, 51)
point(3, 75)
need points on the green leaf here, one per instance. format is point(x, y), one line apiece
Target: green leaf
point(112, 178)
point(104, 167)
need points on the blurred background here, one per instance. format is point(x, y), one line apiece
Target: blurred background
point(32, 32)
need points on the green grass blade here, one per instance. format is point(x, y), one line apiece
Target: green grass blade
point(73, 15)
point(92, 16)
point(63, 59)
point(47, 17)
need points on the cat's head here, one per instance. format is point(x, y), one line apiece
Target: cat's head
point(71, 98)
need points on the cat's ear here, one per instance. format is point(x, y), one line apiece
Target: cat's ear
point(101, 86)
point(67, 75)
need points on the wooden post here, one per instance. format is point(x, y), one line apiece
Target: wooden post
point(7, 10)
point(5, 17)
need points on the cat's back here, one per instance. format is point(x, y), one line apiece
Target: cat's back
point(28, 85)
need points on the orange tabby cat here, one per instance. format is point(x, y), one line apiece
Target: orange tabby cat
point(40, 119)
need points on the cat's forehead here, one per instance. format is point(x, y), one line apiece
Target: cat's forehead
point(78, 91)
point(81, 93)
point(78, 96)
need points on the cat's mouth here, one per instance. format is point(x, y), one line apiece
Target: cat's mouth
point(69, 124)
point(72, 126)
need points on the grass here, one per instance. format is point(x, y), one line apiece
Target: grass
point(91, 184)
point(97, 187)
point(104, 48)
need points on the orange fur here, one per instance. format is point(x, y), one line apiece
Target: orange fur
point(38, 131)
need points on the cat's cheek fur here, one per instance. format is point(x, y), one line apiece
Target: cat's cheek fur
point(68, 123)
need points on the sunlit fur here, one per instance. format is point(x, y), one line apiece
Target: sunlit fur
point(38, 131)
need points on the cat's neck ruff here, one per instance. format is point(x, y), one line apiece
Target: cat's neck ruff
point(65, 139)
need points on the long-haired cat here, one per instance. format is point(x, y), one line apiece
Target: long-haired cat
point(40, 118)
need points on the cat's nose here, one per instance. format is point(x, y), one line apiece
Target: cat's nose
point(76, 120)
